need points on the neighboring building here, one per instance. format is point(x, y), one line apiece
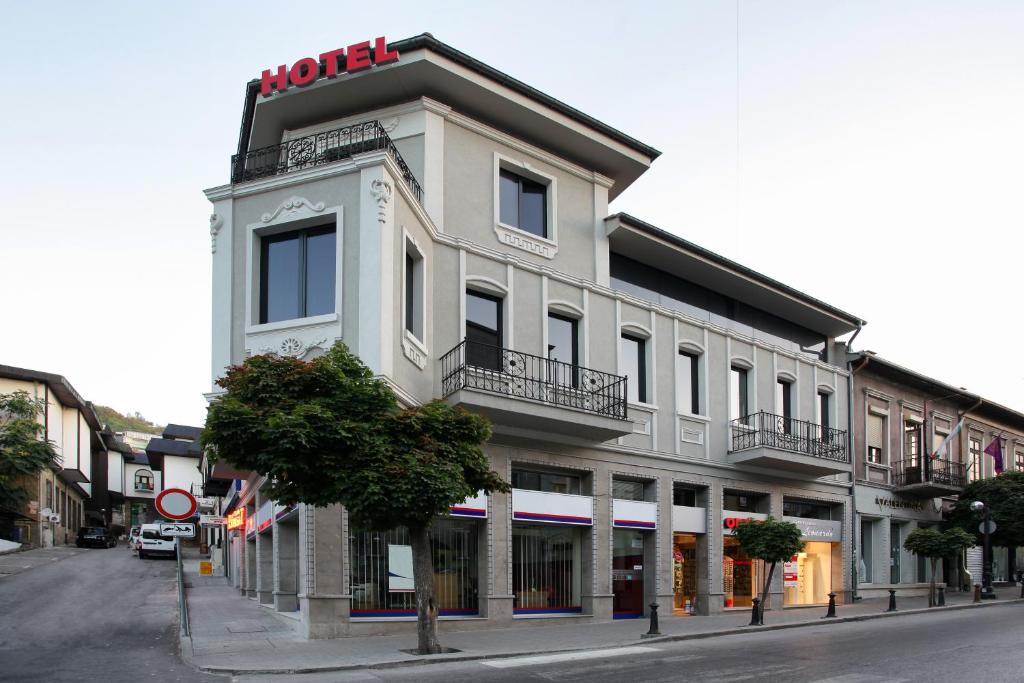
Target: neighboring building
point(451, 225)
point(59, 493)
point(109, 503)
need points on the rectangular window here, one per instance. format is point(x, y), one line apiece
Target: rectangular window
point(876, 439)
point(824, 416)
point(911, 443)
point(297, 274)
point(784, 404)
point(546, 569)
point(483, 330)
point(688, 382)
point(524, 203)
point(633, 365)
point(738, 397)
point(1018, 459)
point(623, 489)
point(564, 348)
point(414, 292)
point(531, 480)
point(974, 464)
point(685, 496)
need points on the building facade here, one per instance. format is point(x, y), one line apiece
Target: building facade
point(451, 226)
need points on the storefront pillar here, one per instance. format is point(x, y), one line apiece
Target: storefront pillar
point(264, 553)
point(775, 594)
point(249, 583)
point(714, 542)
point(497, 605)
point(324, 601)
point(596, 556)
point(286, 566)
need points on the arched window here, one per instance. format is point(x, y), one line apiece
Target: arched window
point(143, 480)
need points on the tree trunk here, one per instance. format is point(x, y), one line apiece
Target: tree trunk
point(426, 606)
point(931, 588)
point(764, 593)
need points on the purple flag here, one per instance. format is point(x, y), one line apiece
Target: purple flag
point(995, 449)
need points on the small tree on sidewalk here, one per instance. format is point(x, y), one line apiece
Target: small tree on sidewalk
point(935, 545)
point(771, 541)
point(327, 432)
point(23, 454)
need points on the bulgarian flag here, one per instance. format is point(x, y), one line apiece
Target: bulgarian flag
point(943, 449)
point(995, 449)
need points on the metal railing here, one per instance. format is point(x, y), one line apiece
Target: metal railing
point(319, 149)
point(788, 434)
point(513, 373)
point(924, 470)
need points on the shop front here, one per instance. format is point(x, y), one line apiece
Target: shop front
point(742, 576)
point(689, 536)
point(633, 523)
point(810, 575)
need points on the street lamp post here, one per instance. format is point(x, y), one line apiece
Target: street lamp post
point(986, 552)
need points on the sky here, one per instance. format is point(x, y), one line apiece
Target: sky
point(867, 153)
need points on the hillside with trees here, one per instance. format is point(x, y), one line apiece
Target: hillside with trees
point(126, 423)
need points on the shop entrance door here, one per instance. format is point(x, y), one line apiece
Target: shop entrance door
point(628, 574)
point(894, 553)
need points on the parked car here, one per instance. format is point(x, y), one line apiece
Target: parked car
point(133, 538)
point(96, 536)
point(152, 542)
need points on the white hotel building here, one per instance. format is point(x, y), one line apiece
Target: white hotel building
point(451, 225)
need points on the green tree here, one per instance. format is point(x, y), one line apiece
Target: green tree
point(772, 541)
point(23, 451)
point(1005, 496)
point(327, 432)
point(935, 545)
point(126, 423)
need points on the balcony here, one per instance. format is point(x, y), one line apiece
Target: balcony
point(526, 393)
point(928, 478)
point(782, 443)
point(143, 487)
point(320, 149)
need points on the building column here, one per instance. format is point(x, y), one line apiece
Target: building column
point(496, 551)
point(597, 553)
point(286, 566)
point(775, 591)
point(660, 563)
point(716, 585)
point(324, 600)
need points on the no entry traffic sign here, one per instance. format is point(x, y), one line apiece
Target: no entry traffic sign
point(176, 504)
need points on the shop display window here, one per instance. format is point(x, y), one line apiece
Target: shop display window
point(546, 568)
point(807, 577)
point(684, 574)
point(627, 573)
point(741, 575)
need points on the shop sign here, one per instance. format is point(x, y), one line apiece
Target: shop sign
point(212, 520)
point(400, 578)
point(896, 503)
point(236, 519)
point(730, 520)
point(353, 58)
point(830, 531)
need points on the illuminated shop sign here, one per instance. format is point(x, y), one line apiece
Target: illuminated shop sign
point(236, 519)
point(733, 522)
point(349, 59)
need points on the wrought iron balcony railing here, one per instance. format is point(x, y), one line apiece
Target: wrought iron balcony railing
point(319, 149)
point(928, 471)
point(785, 433)
point(513, 373)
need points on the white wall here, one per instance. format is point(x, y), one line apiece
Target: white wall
point(182, 473)
point(115, 472)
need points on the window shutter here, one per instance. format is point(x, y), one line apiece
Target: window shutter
point(875, 430)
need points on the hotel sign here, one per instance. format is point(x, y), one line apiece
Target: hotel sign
point(896, 503)
point(349, 59)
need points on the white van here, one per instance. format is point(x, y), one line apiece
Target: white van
point(152, 543)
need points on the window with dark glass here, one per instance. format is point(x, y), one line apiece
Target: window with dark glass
point(550, 482)
point(784, 404)
point(523, 203)
point(563, 346)
point(688, 382)
point(823, 412)
point(738, 399)
point(624, 489)
point(297, 274)
point(806, 509)
point(483, 330)
point(740, 501)
point(683, 495)
point(634, 367)
point(414, 292)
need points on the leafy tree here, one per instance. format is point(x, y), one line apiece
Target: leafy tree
point(23, 453)
point(1005, 496)
point(936, 545)
point(326, 432)
point(772, 541)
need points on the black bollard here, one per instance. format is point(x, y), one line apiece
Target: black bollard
point(831, 613)
point(654, 622)
point(941, 602)
point(977, 592)
point(755, 613)
point(892, 601)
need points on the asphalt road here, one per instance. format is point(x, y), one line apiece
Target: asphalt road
point(90, 615)
point(966, 645)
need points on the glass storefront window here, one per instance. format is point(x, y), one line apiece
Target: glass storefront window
point(741, 575)
point(684, 574)
point(546, 568)
point(627, 573)
point(807, 577)
point(381, 578)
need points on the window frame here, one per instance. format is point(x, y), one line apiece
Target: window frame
point(642, 381)
point(511, 235)
point(521, 181)
point(694, 357)
point(575, 343)
point(264, 241)
point(742, 393)
point(418, 311)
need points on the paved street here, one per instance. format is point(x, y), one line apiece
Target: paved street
point(982, 645)
point(89, 615)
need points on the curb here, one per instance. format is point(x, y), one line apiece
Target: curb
point(457, 658)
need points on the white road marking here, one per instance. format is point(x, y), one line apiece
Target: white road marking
point(566, 657)
point(860, 678)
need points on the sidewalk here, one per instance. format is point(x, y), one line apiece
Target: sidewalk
point(231, 634)
point(17, 561)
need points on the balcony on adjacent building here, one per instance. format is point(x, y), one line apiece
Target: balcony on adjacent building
point(318, 149)
point(782, 443)
point(928, 478)
point(530, 393)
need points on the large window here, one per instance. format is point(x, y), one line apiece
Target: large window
point(739, 405)
point(688, 382)
point(911, 443)
point(483, 330)
point(624, 489)
point(143, 480)
point(974, 455)
point(550, 482)
point(524, 203)
point(546, 568)
point(633, 364)
point(297, 274)
point(876, 439)
point(784, 404)
point(414, 291)
point(563, 346)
